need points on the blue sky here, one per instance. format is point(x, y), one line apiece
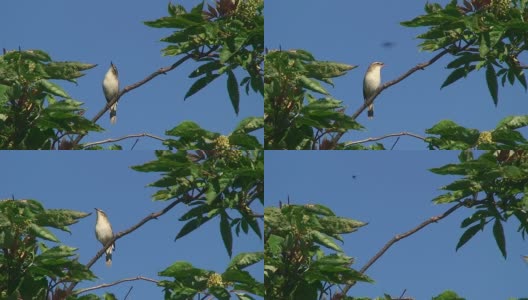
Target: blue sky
point(393, 192)
point(83, 181)
point(98, 32)
point(352, 32)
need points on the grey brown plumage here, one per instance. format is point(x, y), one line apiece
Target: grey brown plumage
point(371, 83)
point(111, 89)
point(104, 233)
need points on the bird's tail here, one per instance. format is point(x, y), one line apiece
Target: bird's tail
point(370, 112)
point(113, 114)
point(109, 256)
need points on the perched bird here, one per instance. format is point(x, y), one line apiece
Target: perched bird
point(371, 83)
point(103, 233)
point(111, 89)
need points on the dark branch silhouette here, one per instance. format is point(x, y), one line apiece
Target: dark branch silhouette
point(142, 82)
point(388, 84)
point(371, 139)
point(119, 235)
point(132, 87)
point(114, 283)
point(397, 238)
point(137, 135)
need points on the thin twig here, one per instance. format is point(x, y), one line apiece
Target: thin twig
point(87, 145)
point(371, 139)
point(104, 285)
point(399, 237)
point(133, 228)
point(370, 100)
point(395, 142)
point(401, 296)
point(135, 143)
point(128, 293)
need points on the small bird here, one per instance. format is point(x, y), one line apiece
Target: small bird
point(371, 83)
point(111, 89)
point(103, 233)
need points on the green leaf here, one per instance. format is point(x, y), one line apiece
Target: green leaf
point(59, 218)
point(216, 188)
point(52, 88)
point(484, 44)
point(510, 76)
point(250, 124)
point(452, 134)
point(109, 296)
point(301, 54)
point(179, 21)
point(43, 233)
point(495, 36)
point(313, 85)
point(325, 240)
point(468, 234)
point(450, 197)
point(336, 225)
point(326, 69)
point(478, 216)
point(454, 76)
point(225, 230)
point(493, 86)
point(232, 89)
point(200, 84)
point(498, 233)
point(305, 291)
point(448, 295)
point(176, 9)
point(191, 226)
point(520, 77)
point(195, 212)
point(513, 122)
point(219, 292)
point(254, 226)
point(182, 269)
point(206, 68)
point(244, 141)
point(465, 59)
point(319, 209)
point(243, 260)
point(274, 244)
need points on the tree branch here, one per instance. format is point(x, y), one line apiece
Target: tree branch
point(88, 145)
point(132, 87)
point(371, 139)
point(388, 84)
point(113, 283)
point(152, 216)
point(399, 237)
point(142, 82)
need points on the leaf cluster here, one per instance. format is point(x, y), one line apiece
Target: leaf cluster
point(26, 262)
point(190, 136)
point(496, 185)
point(506, 135)
point(294, 117)
point(190, 281)
point(296, 267)
point(479, 34)
point(219, 178)
point(36, 112)
point(224, 37)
